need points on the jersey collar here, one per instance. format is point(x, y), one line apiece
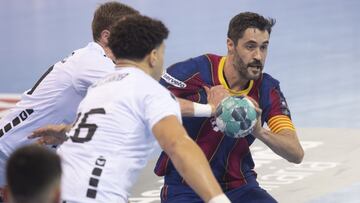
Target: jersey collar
point(223, 82)
point(97, 47)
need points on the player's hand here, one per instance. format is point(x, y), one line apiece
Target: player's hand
point(50, 135)
point(214, 96)
point(257, 128)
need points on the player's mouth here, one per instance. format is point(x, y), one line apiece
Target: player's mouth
point(255, 69)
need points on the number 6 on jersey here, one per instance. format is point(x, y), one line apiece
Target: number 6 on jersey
point(91, 127)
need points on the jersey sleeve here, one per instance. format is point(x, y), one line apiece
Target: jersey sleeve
point(279, 117)
point(183, 78)
point(158, 105)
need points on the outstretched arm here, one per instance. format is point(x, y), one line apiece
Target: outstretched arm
point(188, 159)
point(51, 134)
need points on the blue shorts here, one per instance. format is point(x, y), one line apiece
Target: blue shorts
point(250, 193)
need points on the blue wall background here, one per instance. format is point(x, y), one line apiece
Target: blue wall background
point(314, 47)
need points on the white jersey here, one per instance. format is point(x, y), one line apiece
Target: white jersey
point(54, 99)
point(112, 138)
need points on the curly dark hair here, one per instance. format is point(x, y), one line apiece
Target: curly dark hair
point(135, 36)
point(107, 14)
point(243, 21)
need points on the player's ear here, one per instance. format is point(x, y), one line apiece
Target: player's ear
point(153, 58)
point(104, 37)
point(230, 46)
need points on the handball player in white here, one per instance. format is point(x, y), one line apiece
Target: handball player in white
point(54, 99)
point(122, 118)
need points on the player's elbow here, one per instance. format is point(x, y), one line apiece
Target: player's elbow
point(298, 157)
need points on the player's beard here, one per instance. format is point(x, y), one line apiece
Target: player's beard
point(247, 71)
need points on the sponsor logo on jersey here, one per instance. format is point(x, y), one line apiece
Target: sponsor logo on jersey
point(173, 81)
point(111, 78)
point(16, 121)
point(95, 177)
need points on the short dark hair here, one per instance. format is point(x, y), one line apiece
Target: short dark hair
point(107, 14)
point(134, 37)
point(245, 20)
point(30, 171)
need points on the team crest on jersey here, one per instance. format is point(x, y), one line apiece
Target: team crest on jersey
point(173, 81)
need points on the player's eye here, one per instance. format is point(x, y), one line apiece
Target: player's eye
point(264, 47)
point(250, 46)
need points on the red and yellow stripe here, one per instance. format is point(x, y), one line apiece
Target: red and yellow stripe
point(280, 122)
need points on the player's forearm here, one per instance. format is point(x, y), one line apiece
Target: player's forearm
point(193, 166)
point(285, 144)
point(63, 129)
point(51, 134)
point(193, 109)
point(186, 107)
point(188, 159)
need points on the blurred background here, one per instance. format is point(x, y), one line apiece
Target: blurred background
point(314, 48)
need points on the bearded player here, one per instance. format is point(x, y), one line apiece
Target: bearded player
point(240, 73)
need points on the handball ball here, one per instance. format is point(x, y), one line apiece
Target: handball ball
point(236, 116)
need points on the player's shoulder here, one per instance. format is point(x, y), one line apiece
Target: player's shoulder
point(148, 83)
point(86, 64)
point(190, 65)
point(145, 85)
point(188, 68)
point(268, 80)
point(133, 78)
point(92, 55)
point(213, 58)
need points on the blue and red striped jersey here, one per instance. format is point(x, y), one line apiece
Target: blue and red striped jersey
point(229, 158)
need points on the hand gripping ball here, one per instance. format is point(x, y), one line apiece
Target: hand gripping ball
point(236, 116)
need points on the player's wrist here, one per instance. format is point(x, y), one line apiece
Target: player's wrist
point(222, 198)
point(202, 110)
point(213, 109)
point(62, 136)
point(260, 133)
point(63, 128)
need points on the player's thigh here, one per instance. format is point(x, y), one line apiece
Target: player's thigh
point(250, 195)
